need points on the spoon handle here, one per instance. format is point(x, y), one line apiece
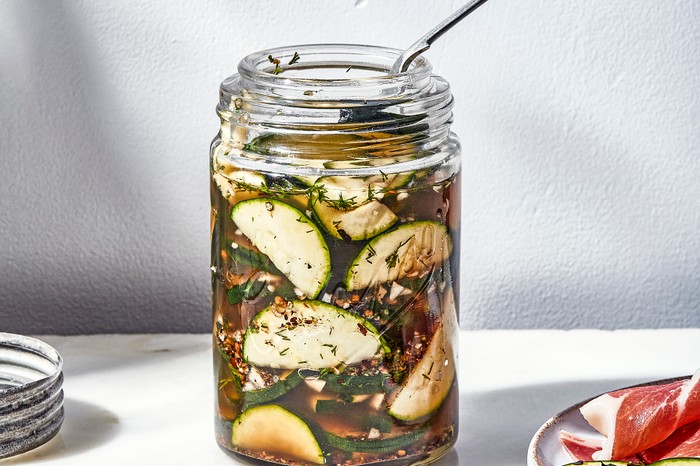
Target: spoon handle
point(424, 43)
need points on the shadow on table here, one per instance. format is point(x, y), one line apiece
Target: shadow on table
point(496, 427)
point(86, 426)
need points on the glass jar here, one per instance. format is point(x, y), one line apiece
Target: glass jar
point(335, 251)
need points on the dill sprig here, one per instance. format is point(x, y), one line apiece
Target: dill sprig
point(276, 61)
point(393, 258)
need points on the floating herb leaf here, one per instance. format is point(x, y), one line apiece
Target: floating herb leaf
point(248, 289)
point(393, 258)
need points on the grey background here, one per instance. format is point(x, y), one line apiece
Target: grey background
point(580, 123)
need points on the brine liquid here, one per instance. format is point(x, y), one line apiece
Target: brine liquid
point(381, 408)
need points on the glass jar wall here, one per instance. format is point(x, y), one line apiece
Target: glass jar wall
point(335, 253)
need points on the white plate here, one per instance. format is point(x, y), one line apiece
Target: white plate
point(545, 447)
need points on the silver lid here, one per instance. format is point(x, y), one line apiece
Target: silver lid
point(31, 394)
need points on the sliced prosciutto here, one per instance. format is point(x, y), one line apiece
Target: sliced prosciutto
point(636, 419)
point(582, 448)
point(683, 443)
point(579, 447)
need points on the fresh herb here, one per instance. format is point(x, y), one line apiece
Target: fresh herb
point(319, 193)
point(393, 258)
point(333, 348)
point(276, 62)
point(341, 203)
point(370, 253)
point(244, 257)
point(247, 187)
point(316, 193)
point(246, 290)
point(370, 193)
point(284, 351)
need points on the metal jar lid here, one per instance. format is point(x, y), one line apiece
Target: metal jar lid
point(31, 394)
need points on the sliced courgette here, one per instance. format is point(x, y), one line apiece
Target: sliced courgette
point(291, 241)
point(430, 382)
point(409, 250)
point(354, 224)
point(355, 384)
point(309, 334)
point(347, 191)
point(235, 185)
point(274, 431)
point(274, 391)
point(376, 445)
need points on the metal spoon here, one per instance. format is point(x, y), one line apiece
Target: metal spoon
point(424, 43)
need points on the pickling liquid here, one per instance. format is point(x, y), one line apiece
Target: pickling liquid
point(388, 280)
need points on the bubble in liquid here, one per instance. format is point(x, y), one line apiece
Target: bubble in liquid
point(309, 374)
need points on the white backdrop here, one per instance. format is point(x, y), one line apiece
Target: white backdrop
point(580, 122)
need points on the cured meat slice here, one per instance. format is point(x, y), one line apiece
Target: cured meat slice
point(582, 448)
point(683, 443)
point(579, 447)
point(635, 419)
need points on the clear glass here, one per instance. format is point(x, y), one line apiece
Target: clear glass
point(335, 254)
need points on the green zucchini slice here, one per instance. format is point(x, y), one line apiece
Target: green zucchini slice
point(276, 390)
point(378, 445)
point(291, 241)
point(309, 334)
point(355, 224)
point(430, 382)
point(273, 430)
point(355, 384)
point(409, 250)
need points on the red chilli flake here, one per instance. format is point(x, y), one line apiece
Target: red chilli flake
point(363, 330)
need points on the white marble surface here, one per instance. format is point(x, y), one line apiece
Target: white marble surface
point(148, 399)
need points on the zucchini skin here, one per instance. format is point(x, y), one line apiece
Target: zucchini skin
point(379, 445)
point(274, 391)
point(355, 384)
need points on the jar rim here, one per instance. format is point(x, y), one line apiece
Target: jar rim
point(259, 67)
